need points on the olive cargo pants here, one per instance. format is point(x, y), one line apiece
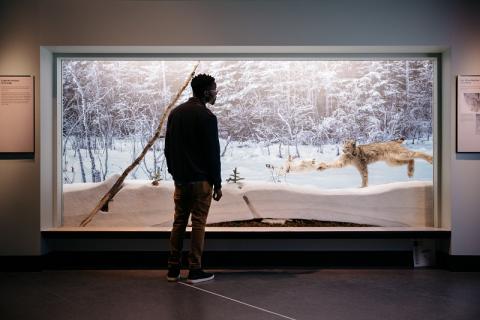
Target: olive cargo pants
point(194, 198)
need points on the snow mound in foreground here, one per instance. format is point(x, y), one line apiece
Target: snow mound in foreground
point(139, 204)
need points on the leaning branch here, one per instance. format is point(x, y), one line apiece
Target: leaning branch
point(103, 203)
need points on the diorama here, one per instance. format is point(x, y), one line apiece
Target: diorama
point(303, 143)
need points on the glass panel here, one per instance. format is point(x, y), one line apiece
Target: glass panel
point(303, 143)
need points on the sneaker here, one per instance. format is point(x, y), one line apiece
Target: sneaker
point(198, 275)
point(173, 274)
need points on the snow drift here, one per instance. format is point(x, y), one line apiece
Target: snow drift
point(139, 204)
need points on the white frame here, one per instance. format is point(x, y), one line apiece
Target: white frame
point(52, 211)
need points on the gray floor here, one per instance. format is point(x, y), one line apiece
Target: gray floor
point(246, 294)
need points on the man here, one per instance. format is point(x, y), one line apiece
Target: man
point(192, 151)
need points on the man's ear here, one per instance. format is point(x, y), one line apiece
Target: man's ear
point(207, 95)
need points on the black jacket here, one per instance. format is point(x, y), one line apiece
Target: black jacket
point(192, 148)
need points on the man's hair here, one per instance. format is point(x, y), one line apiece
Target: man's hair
point(200, 83)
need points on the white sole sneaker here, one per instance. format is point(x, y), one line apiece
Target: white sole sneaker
point(193, 281)
point(173, 279)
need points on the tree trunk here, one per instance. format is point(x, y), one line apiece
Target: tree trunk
point(82, 169)
point(296, 148)
point(85, 126)
point(103, 203)
point(226, 145)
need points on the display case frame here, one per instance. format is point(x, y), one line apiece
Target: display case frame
point(292, 54)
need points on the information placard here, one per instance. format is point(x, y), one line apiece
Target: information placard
point(468, 113)
point(17, 122)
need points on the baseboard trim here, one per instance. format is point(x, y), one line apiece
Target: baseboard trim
point(463, 263)
point(21, 263)
point(211, 259)
point(232, 260)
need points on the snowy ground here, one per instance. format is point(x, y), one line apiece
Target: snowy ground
point(250, 160)
point(392, 199)
point(141, 204)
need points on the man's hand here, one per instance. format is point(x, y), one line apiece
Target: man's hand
point(217, 194)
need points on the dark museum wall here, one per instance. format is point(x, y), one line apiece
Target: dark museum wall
point(452, 25)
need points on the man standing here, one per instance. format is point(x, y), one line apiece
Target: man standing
point(192, 151)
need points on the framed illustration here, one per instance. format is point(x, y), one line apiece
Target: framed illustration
point(17, 117)
point(468, 113)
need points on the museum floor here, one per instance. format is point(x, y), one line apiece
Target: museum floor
point(242, 294)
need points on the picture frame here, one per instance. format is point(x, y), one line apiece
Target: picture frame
point(17, 117)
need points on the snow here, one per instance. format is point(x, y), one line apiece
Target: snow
point(392, 199)
point(407, 204)
point(250, 160)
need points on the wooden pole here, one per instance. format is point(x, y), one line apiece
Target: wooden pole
point(118, 184)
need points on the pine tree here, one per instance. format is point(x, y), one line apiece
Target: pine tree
point(235, 176)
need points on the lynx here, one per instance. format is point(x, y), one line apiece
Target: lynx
point(392, 152)
point(299, 166)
